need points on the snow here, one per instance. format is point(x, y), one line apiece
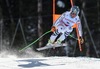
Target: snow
point(50, 63)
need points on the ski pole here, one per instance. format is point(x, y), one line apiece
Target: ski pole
point(79, 42)
point(34, 41)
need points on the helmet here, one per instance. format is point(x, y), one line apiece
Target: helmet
point(75, 10)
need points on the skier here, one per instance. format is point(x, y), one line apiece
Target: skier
point(64, 26)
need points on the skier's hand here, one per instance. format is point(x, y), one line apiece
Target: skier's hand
point(81, 40)
point(53, 29)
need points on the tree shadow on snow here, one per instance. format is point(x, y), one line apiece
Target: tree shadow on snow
point(28, 63)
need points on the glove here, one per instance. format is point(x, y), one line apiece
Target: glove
point(81, 40)
point(53, 29)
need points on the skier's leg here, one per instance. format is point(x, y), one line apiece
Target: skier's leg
point(53, 37)
point(65, 32)
point(62, 37)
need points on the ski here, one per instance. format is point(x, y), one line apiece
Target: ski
point(51, 46)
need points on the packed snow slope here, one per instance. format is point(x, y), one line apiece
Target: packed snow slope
point(50, 63)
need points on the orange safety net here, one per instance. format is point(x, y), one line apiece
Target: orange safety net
point(55, 17)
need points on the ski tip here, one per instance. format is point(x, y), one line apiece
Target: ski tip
point(38, 49)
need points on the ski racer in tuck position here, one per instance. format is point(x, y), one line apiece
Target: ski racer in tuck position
point(64, 26)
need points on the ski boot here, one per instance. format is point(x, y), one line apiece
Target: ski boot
point(49, 42)
point(58, 42)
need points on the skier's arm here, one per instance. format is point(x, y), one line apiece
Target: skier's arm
point(80, 31)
